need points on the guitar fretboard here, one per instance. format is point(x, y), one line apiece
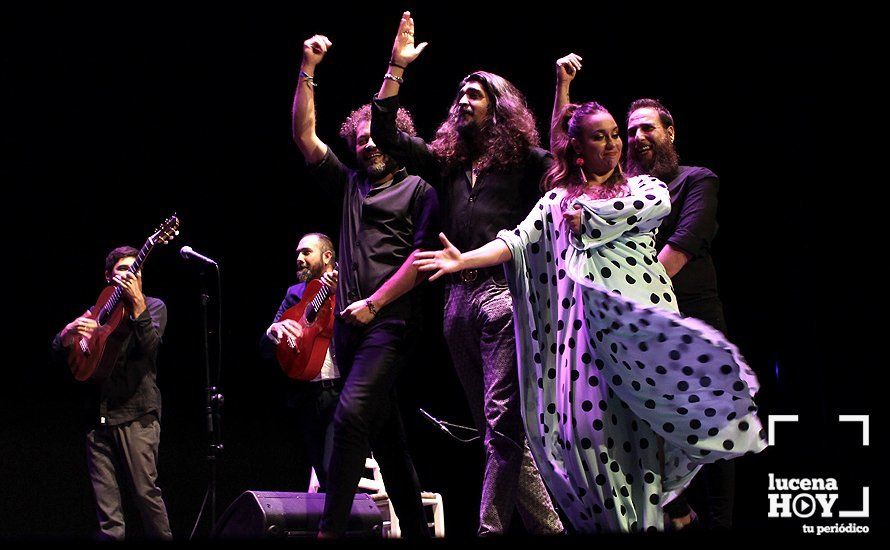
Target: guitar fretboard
point(317, 302)
point(112, 302)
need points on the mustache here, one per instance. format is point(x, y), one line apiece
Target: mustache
point(368, 153)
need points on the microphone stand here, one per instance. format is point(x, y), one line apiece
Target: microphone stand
point(213, 405)
point(442, 425)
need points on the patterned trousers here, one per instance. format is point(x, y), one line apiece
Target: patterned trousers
point(479, 330)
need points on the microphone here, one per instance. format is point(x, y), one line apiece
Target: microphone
point(189, 253)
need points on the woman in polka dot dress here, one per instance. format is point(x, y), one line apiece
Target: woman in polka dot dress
point(623, 400)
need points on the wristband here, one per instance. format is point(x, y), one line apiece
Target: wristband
point(309, 78)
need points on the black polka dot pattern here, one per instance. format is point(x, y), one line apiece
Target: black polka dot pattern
point(617, 366)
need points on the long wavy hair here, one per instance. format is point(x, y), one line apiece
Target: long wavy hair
point(565, 172)
point(504, 138)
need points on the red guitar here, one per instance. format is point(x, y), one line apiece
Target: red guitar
point(92, 358)
point(315, 314)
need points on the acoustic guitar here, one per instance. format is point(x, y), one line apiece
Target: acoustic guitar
point(315, 314)
point(92, 358)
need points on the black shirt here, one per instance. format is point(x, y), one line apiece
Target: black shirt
point(690, 227)
point(381, 226)
point(131, 390)
point(472, 214)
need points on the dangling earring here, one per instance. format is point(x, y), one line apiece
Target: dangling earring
point(579, 162)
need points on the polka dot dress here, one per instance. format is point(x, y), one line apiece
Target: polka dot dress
point(623, 400)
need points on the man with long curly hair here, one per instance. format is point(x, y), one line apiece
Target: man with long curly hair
point(387, 217)
point(487, 166)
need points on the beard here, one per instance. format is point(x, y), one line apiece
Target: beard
point(308, 273)
point(383, 166)
point(664, 164)
point(472, 136)
point(467, 128)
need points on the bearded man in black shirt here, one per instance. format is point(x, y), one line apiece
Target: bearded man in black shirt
point(387, 216)
point(487, 166)
point(684, 244)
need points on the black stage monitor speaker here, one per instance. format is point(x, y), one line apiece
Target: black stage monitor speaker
point(271, 514)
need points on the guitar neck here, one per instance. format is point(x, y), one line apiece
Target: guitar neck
point(112, 302)
point(319, 300)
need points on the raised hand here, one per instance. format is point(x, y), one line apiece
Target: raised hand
point(403, 49)
point(447, 260)
point(567, 67)
point(314, 50)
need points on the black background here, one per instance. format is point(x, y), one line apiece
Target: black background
point(114, 119)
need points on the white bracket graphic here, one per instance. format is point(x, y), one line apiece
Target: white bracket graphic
point(863, 418)
point(771, 423)
point(861, 513)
